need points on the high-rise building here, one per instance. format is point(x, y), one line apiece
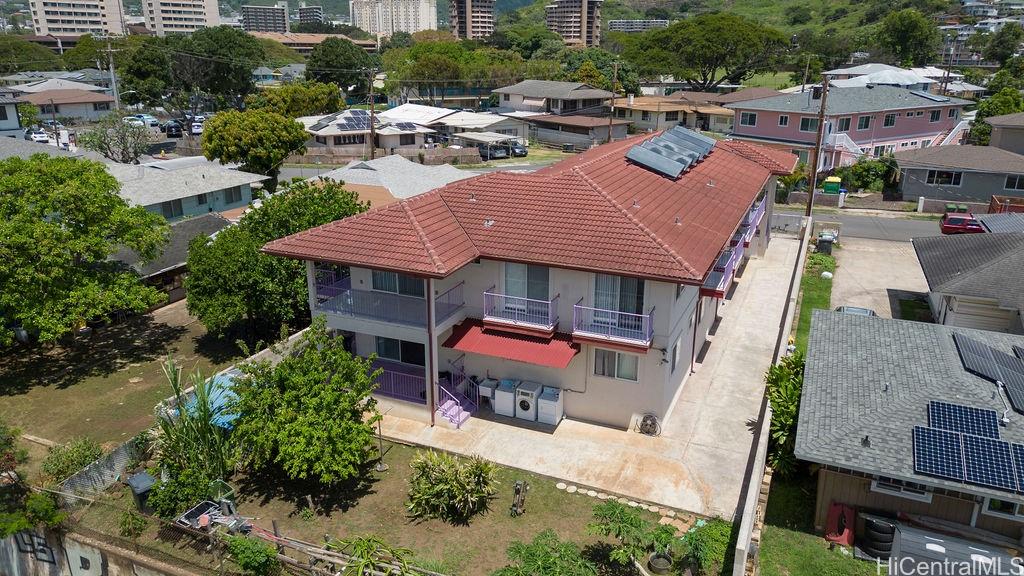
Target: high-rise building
point(635, 25)
point(471, 18)
point(385, 17)
point(179, 16)
point(309, 13)
point(576, 21)
point(265, 18)
point(73, 17)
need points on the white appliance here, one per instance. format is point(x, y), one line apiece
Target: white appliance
point(505, 398)
point(487, 387)
point(526, 400)
point(550, 407)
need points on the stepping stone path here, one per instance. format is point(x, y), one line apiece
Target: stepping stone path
point(571, 489)
point(669, 513)
point(135, 380)
point(602, 496)
point(653, 509)
point(665, 521)
point(560, 486)
point(632, 504)
point(591, 493)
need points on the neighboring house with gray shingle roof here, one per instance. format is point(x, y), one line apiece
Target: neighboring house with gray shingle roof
point(552, 97)
point(960, 173)
point(1002, 222)
point(1007, 132)
point(862, 121)
point(392, 178)
point(975, 280)
point(867, 383)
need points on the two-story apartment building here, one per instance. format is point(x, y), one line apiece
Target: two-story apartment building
point(860, 121)
point(597, 278)
point(552, 97)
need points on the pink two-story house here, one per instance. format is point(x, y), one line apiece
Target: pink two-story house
point(870, 121)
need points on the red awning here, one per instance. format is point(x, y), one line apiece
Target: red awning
point(470, 336)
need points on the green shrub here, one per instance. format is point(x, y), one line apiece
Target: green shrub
point(450, 488)
point(818, 263)
point(784, 382)
point(254, 556)
point(709, 546)
point(370, 555)
point(546, 555)
point(616, 520)
point(66, 459)
point(10, 455)
point(42, 510)
point(178, 494)
point(132, 525)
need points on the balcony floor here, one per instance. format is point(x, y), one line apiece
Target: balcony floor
point(699, 462)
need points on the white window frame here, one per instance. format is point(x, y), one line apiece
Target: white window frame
point(615, 368)
point(953, 113)
point(809, 120)
point(1018, 184)
point(868, 127)
point(783, 119)
point(849, 122)
point(751, 118)
point(1017, 516)
point(919, 113)
point(885, 120)
point(910, 114)
point(932, 177)
point(934, 116)
point(675, 354)
point(374, 275)
point(895, 488)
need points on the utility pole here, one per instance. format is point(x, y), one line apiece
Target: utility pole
point(615, 83)
point(817, 147)
point(807, 68)
point(53, 114)
point(373, 129)
point(113, 76)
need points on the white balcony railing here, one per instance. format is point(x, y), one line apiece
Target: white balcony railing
point(520, 312)
point(612, 325)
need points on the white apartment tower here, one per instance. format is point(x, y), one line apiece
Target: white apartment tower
point(471, 18)
point(576, 21)
point(265, 18)
point(73, 17)
point(165, 17)
point(385, 17)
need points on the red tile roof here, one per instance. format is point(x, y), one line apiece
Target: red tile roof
point(555, 352)
point(596, 211)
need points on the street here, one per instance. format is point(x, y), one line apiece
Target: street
point(893, 228)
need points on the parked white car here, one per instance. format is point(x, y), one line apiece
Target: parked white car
point(37, 135)
point(134, 121)
point(197, 128)
point(148, 119)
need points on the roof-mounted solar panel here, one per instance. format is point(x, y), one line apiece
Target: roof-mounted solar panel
point(1019, 351)
point(656, 162)
point(930, 96)
point(672, 152)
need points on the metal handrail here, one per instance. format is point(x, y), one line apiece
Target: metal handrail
point(495, 306)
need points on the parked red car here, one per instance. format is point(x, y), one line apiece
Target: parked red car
point(960, 224)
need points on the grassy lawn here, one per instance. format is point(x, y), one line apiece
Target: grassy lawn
point(775, 80)
point(537, 155)
point(106, 387)
point(815, 292)
point(915, 310)
point(376, 505)
point(789, 546)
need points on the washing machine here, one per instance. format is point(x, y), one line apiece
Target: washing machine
point(526, 400)
point(550, 407)
point(487, 387)
point(505, 397)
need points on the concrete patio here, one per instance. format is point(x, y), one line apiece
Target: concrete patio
point(699, 461)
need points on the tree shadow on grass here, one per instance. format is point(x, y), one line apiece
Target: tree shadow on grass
point(110, 348)
point(791, 502)
point(218, 350)
point(272, 484)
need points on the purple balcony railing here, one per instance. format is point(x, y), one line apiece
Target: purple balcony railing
point(449, 302)
point(517, 311)
point(401, 381)
point(612, 325)
point(754, 215)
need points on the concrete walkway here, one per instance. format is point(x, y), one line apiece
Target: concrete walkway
point(698, 462)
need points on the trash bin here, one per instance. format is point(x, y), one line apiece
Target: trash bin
point(570, 148)
point(141, 485)
point(962, 208)
point(824, 244)
point(950, 208)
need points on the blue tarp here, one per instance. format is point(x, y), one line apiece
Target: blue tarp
point(221, 395)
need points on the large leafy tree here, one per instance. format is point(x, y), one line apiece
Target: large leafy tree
point(910, 36)
point(298, 99)
point(259, 140)
point(146, 75)
point(1004, 44)
point(709, 50)
point(277, 54)
point(232, 286)
point(218, 61)
point(312, 413)
point(117, 140)
point(340, 61)
point(19, 55)
point(87, 53)
point(1006, 101)
point(61, 219)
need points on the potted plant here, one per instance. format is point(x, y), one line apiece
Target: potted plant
point(660, 540)
point(638, 539)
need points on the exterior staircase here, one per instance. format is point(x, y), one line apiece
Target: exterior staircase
point(457, 396)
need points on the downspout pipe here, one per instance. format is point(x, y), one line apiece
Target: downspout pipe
point(431, 353)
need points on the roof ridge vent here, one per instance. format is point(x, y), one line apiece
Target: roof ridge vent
point(635, 203)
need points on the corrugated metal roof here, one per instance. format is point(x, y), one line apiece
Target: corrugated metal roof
point(555, 352)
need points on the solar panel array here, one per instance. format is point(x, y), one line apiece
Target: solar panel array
point(672, 152)
point(930, 96)
point(355, 123)
point(325, 121)
point(994, 365)
point(1019, 351)
point(952, 449)
point(405, 126)
point(957, 418)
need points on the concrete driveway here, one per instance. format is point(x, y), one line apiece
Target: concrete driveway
point(876, 274)
point(699, 461)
